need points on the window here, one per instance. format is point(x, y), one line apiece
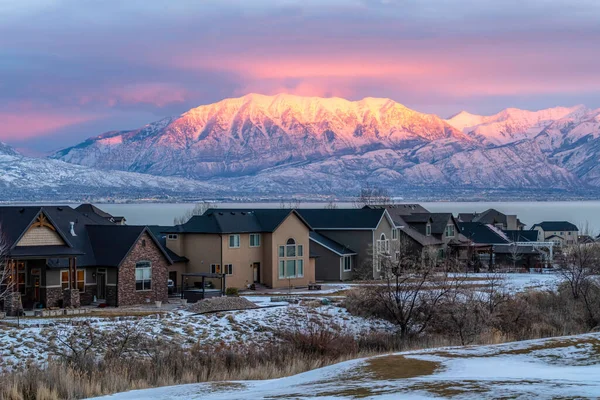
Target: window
point(254, 240)
point(172, 236)
point(65, 284)
point(562, 233)
point(215, 268)
point(290, 268)
point(143, 275)
point(64, 279)
point(300, 270)
point(228, 269)
point(347, 262)
point(234, 241)
point(450, 231)
point(394, 234)
point(81, 280)
point(290, 248)
point(281, 251)
point(281, 269)
point(300, 250)
point(428, 230)
point(499, 226)
point(569, 233)
point(383, 245)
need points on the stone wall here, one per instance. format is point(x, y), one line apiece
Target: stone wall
point(12, 304)
point(71, 298)
point(111, 295)
point(144, 250)
point(87, 297)
point(53, 297)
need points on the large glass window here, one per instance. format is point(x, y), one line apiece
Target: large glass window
point(347, 260)
point(143, 275)
point(64, 279)
point(21, 277)
point(290, 268)
point(281, 269)
point(290, 250)
point(450, 231)
point(300, 268)
point(80, 281)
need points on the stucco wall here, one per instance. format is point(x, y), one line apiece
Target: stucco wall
point(242, 259)
point(291, 227)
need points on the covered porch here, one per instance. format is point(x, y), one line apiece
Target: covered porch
point(42, 277)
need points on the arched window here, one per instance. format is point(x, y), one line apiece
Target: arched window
point(382, 236)
point(290, 250)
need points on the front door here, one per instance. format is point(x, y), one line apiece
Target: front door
point(256, 268)
point(101, 285)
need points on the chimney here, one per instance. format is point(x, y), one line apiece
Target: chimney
point(511, 223)
point(72, 230)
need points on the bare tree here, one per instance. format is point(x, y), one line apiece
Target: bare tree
point(577, 264)
point(371, 195)
point(198, 209)
point(7, 284)
point(331, 205)
point(515, 254)
point(415, 283)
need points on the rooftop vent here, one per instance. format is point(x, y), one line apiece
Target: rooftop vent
point(22, 210)
point(72, 229)
point(59, 208)
point(232, 213)
point(220, 213)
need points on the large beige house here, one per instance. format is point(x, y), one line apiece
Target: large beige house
point(262, 246)
point(560, 232)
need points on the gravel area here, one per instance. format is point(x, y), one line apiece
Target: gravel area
point(221, 304)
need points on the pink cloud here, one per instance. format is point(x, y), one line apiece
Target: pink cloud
point(26, 124)
point(157, 94)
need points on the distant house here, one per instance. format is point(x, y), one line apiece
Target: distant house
point(585, 239)
point(494, 246)
point(493, 217)
point(58, 251)
point(427, 230)
point(559, 232)
point(261, 246)
point(93, 212)
point(350, 238)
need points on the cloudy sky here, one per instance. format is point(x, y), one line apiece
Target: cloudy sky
point(71, 69)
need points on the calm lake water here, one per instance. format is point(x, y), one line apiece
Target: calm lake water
point(578, 212)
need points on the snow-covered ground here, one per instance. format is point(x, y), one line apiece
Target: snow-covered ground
point(517, 282)
point(565, 367)
point(30, 342)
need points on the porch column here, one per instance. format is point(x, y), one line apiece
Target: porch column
point(71, 296)
point(12, 303)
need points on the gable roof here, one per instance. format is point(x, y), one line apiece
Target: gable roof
point(400, 209)
point(522, 235)
point(489, 216)
point(556, 226)
point(330, 244)
point(93, 212)
point(236, 221)
point(112, 243)
point(481, 233)
point(343, 218)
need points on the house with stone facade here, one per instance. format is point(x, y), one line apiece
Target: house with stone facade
point(267, 247)
point(58, 256)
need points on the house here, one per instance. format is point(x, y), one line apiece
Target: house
point(365, 235)
point(179, 265)
point(260, 246)
point(93, 212)
point(426, 230)
point(585, 239)
point(560, 232)
point(58, 256)
point(493, 246)
point(493, 217)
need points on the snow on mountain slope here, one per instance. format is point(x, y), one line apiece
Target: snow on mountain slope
point(27, 178)
point(292, 144)
point(7, 150)
point(511, 124)
point(254, 132)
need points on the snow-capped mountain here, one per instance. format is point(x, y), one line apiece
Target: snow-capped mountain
point(7, 150)
point(24, 178)
point(287, 144)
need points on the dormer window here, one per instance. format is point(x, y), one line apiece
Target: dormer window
point(450, 232)
point(428, 229)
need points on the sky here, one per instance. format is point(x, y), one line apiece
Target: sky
point(72, 69)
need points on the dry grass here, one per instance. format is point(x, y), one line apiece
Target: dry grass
point(398, 367)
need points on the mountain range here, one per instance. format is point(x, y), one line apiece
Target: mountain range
point(283, 145)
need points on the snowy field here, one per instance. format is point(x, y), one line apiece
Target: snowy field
point(565, 367)
point(30, 342)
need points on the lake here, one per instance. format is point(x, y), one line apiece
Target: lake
point(577, 212)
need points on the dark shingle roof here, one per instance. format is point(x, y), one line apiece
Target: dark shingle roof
point(235, 221)
point(332, 245)
point(556, 226)
point(439, 222)
point(401, 209)
point(510, 249)
point(348, 218)
point(481, 233)
point(112, 243)
point(93, 212)
point(418, 218)
point(522, 236)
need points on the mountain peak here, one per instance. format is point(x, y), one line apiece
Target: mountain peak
point(8, 150)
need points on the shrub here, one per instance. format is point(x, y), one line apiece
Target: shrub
point(231, 291)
